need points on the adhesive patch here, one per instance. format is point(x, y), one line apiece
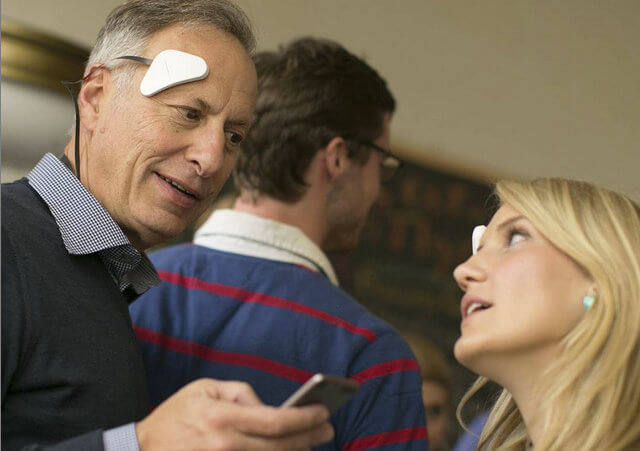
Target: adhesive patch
point(476, 236)
point(171, 68)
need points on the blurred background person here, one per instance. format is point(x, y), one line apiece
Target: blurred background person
point(436, 390)
point(551, 313)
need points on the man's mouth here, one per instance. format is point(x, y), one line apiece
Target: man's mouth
point(178, 187)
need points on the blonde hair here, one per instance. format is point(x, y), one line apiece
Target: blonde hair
point(591, 393)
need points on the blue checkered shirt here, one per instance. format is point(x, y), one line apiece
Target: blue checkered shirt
point(86, 227)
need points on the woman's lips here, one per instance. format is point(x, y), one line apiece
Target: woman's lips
point(470, 304)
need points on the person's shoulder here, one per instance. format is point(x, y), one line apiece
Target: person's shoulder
point(22, 208)
point(190, 248)
point(13, 192)
point(224, 266)
point(359, 313)
point(382, 338)
point(19, 217)
point(379, 334)
point(184, 258)
point(171, 251)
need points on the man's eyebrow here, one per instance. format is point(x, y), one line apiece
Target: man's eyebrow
point(202, 104)
point(240, 122)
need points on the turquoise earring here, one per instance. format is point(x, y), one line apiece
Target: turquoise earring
point(588, 301)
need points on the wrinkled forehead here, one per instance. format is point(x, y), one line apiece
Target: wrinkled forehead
point(205, 44)
point(205, 41)
point(203, 62)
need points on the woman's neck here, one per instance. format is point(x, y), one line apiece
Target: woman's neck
point(528, 401)
point(522, 375)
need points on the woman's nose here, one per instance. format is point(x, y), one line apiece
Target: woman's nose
point(468, 272)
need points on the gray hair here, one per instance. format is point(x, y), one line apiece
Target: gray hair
point(129, 26)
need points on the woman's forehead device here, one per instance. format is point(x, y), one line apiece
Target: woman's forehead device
point(476, 236)
point(170, 68)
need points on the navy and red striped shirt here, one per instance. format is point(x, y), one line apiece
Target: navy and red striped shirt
point(274, 324)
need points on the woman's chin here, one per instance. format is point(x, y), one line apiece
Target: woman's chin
point(468, 352)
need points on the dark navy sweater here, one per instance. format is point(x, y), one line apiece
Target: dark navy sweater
point(70, 361)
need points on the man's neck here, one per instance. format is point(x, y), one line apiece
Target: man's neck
point(307, 214)
point(69, 153)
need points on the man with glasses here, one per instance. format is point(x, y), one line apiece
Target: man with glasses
point(255, 298)
point(389, 164)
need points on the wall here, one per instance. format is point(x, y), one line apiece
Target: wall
point(502, 88)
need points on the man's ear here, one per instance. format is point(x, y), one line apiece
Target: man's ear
point(336, 157)
point(92, 95)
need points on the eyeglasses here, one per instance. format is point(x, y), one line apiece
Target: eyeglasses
point(389, 164)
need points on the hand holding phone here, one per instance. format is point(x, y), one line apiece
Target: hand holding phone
point(331, 391)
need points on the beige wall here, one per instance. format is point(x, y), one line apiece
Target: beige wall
point(508, 87)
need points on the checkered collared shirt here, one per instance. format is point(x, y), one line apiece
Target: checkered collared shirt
point(86, 227)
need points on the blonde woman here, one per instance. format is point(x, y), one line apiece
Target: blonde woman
point(551, 312)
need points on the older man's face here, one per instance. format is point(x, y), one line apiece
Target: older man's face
point(156, 163)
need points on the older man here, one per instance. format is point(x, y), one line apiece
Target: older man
point(256, 299)
point(167, 97)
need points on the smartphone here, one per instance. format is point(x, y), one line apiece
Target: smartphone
point(330, 391)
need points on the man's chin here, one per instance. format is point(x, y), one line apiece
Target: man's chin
point(342, 243)
point(155, 234)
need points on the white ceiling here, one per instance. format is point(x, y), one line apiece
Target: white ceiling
point(514, 88)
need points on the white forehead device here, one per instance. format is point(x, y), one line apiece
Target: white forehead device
point(476, 236)
point(171, 68)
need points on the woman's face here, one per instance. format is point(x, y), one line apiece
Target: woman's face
point(522, 296)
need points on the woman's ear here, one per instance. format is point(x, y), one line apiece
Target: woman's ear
point(92, 94)
point(336, 157)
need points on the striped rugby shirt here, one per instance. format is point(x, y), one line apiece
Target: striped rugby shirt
point(257, 301)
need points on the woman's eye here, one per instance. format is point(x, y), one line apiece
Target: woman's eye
point(233, 138)
point(515, 236)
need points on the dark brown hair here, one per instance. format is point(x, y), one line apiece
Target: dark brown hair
point(309, 92)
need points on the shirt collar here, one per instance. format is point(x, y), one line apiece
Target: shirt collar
point(86, 227)
point(247, 234)
point(84, 224)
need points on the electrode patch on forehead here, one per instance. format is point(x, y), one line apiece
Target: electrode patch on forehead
point(171, 68)
point(476, 236)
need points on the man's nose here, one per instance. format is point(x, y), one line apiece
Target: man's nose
point(208, 151)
